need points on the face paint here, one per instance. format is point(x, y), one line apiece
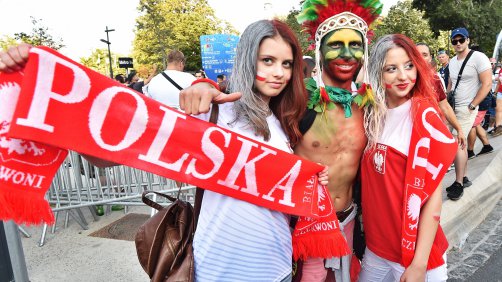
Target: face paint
point(414, 80)
point(260, 76)
point(436, 217)
point(342, 51)
point(388, 86)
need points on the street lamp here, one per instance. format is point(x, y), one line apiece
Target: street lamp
point(107, 41)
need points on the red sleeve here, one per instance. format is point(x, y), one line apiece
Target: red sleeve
point(438, 89)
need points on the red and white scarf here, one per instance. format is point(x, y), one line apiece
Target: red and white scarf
point(432, 149)
point(63, 104)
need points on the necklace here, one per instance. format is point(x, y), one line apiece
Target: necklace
point(324, 98)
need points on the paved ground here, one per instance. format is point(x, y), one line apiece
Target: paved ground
point(479, 247)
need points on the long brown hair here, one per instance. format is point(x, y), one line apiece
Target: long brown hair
point(290, 105)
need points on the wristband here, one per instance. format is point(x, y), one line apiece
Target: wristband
point(208, 81)
point(471, 107)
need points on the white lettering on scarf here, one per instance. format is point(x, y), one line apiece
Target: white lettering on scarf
point(249, 166)
point(43, 89)
point(424, 142)
point(99, 109)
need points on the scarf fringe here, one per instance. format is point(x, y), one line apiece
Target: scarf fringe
point(320, 245)
point(24, 207)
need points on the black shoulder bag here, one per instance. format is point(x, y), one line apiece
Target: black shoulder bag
point(451, 95)
point(172, 81)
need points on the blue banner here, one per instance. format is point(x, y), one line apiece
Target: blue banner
point(218, 53)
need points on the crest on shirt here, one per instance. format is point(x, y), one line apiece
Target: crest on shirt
point(379, 158)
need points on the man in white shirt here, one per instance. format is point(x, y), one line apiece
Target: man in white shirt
point(165, 91)
point(473, 87)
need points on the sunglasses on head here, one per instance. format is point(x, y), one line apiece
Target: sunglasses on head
point(455, 41)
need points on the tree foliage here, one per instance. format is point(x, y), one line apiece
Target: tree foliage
point(39, 36)
point(165, 25)
point(481, 17)
point(403, 18)
point(98, 61)
point(303, 37)
point(7, 41)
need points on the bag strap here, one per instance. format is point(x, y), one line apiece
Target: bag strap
point(462, 69)
point(199, 192)
point(172, 81)
point(153, 204)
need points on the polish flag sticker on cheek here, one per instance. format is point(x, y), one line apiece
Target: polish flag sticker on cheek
point(260, 76)
point(26, 167)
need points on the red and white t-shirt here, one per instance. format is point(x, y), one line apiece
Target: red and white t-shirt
point(383, 172)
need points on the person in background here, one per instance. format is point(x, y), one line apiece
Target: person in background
point(222, 83)
point(120, 78)
point(403, 237)
point(444, 72)
point(439, 90)
point(498, 109)
point(167, 91)
point(472, 89)
point(133, 80)
point(309, 69)
point(200, 74)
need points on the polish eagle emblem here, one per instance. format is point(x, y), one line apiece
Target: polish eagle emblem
point(378, 159)
point(413, 210)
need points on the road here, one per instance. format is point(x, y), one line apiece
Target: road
point(480, 257)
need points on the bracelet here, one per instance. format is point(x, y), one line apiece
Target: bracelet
point(208, 81)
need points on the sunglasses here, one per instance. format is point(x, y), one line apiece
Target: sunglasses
point(455, 41)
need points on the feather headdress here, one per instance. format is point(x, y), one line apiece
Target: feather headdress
point(319, 17)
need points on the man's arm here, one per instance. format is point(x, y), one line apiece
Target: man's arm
point(448, 89)
point(486, 85)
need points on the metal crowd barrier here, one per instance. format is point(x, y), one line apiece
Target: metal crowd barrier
point(78, 185)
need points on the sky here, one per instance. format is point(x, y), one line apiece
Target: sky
point(81, 24)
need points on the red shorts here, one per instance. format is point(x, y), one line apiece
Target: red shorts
point(479, 118)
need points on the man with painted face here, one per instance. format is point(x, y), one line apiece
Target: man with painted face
point(334, 125)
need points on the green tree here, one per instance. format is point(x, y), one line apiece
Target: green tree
point(7, 41)
point(481, 17)
point(303, 37)
point(39, 36)
point(98, 61)
point(403, 18)
point(165, 25)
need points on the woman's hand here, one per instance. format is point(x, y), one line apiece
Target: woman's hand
point(14, 58)
point(197, 98)
point(414, 273)
point(323, 176)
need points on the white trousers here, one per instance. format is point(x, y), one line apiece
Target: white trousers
point(377, 269)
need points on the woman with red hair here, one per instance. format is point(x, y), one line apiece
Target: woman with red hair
point(402, 169)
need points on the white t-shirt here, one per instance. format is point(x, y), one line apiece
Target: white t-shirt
point(236, 240)
point(469, 83)
point(164, 91)
point(397, 130)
